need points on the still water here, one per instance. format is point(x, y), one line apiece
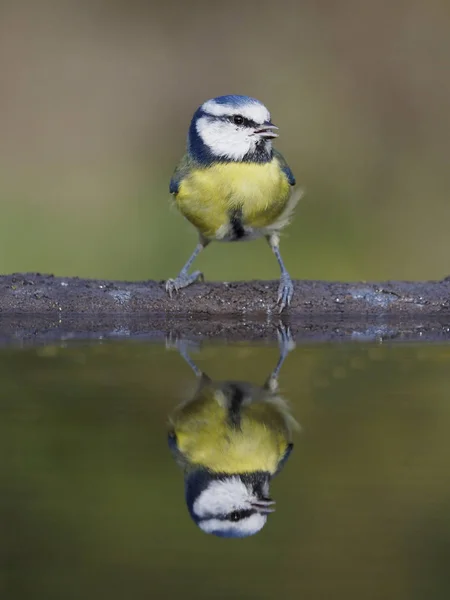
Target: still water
point(92, 500)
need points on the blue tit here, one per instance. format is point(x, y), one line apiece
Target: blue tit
point(231, 184)
point(231, 439)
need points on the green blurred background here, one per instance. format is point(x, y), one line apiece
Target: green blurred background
point(96, 97)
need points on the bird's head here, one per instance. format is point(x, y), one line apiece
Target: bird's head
point(229, 505)
point(231, 128)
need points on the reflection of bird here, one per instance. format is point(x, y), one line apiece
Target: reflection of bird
point(231, 184)
point(231, 438)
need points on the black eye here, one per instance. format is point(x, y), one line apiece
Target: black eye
point(235, 516)
point(238, 119)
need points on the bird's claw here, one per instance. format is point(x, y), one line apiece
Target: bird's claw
point(285, 291)
point(174, 341)
point(285, 340)
point(286, 343)
point(182, 281)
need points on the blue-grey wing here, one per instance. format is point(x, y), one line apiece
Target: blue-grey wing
point(284, 458)
point(284, 167)
point(180, 173)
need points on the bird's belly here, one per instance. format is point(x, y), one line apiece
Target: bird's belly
point(234, 200)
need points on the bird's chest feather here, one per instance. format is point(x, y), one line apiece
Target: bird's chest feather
point(231, 200)
point(206, 438)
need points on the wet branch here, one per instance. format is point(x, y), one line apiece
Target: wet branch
point(45, 294)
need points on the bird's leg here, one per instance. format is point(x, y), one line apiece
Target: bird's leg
point(183, 345)
point(286, 287)
point(286, 344)
point(183, 350)
point(183, 278)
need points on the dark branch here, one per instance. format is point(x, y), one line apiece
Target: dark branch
point(206, 308)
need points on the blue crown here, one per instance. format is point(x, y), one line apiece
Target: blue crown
point(235, 100)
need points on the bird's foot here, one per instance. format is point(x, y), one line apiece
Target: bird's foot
point(285, 340)
point(184, 346)
point(175, 341)
point(286, 343)
point(182, 281)
point(285, 291)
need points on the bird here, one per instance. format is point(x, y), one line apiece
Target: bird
point(231, 438)
point(232, 184)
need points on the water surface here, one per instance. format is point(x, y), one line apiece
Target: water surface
point(92, 502)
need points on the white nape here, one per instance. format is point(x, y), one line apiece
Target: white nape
point(223, 496)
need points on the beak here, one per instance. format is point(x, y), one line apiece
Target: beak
point(267, 130)
point(264, 505)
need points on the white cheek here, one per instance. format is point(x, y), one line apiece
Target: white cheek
point(224, 139)
point(222, 497)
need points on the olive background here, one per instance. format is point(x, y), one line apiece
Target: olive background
point(96, 101)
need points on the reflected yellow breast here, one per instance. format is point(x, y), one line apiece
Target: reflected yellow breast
point(207, 196)
point(205, 437)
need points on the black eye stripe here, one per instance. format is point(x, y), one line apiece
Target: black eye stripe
point(238, 515)
point(240, 121)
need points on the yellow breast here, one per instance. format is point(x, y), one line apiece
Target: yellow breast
point(205, 437)
point(208, 196)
